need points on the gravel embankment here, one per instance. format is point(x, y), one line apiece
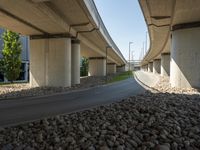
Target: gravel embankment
point(164, 86)
point(160, 121)
point(150, 121)
point(23, 89)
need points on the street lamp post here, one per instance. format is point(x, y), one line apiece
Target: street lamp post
point(107, 47)
point(130, 57)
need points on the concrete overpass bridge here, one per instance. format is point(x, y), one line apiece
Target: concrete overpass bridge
point(60, 32)
point(174, 29)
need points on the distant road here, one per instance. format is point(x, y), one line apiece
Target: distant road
point(27, 109)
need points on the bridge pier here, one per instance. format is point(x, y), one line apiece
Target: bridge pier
point(150, 67)
point(50, 62)
point(120, 68)
point(156, 66)
point(145, 67)
point(75, 76)
point(111, 68)
point(185, 58)
point(165, 64)
point(97, 66)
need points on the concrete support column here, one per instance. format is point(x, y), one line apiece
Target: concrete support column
point(150, 67)
point(121, 68)
point(156, 66)
point(185, 58)
point(165, 64)
point(75, 62)
point(111, 68)
point(146, 67)
point(50, 62)
point(97, 66)
point(142, 68)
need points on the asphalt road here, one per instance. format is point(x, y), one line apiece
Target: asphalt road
point(20, 110)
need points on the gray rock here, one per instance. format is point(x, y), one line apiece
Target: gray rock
point(40, 137)
point(29, 148)
point(163, 147)
point(86, 135)
point(120, 147)
point(174, 146)
point(133, 143)
point(57, 139)
point(187, 144)
point(91, 148)
point(104, 148)
point(21, 147)
point(150, 144)
point(80, 127)
point(69, 139)
point(8, 147)
point(128, 145)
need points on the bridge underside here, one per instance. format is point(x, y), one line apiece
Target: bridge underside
point(60, 33)
point(174, 29)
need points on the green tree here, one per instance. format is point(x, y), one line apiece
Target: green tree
point(11, 61)
point(84, 66)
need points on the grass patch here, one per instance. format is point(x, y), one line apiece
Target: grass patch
point(122, 76)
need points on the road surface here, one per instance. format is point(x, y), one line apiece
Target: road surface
point(20, 110)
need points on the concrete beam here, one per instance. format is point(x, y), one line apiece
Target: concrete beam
point(50, 11)
point(96, 48)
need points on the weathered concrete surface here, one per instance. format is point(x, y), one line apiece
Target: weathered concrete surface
point(185, 58)
point(50, 62)
point(121, 68)
point(111, 68)
point(148, 79)
point(75, 76)
point(165, 64)
point(150, 67)
point(156, 66)
point(97, 67)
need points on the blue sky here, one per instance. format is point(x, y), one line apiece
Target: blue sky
point(125, 22)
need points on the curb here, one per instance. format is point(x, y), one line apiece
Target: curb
point(147, 87)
